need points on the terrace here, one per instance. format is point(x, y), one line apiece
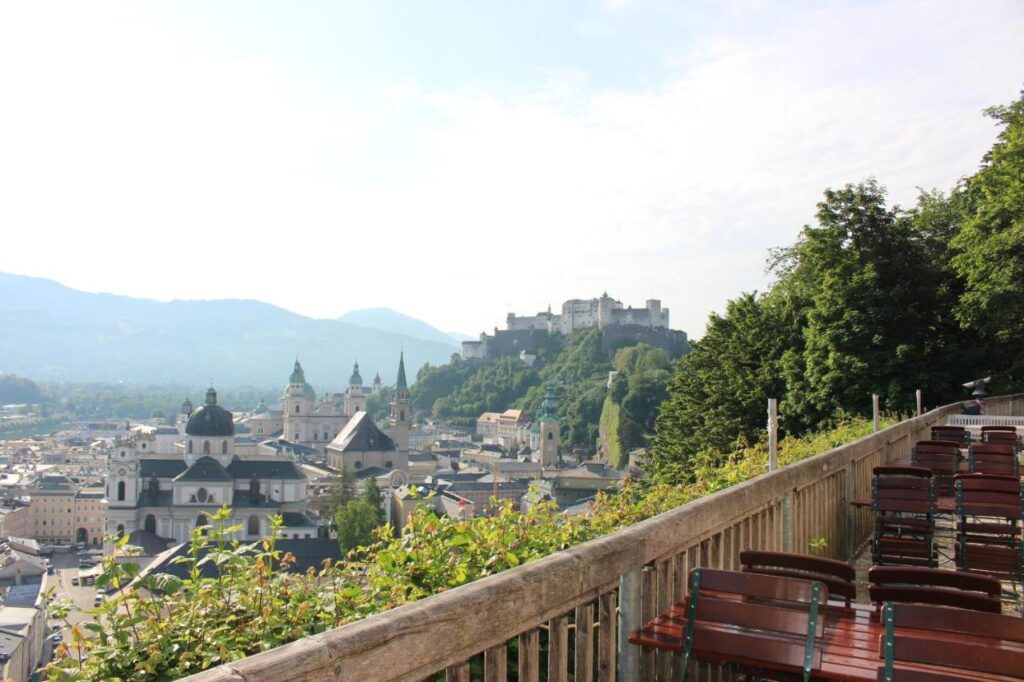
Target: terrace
point(570, 615)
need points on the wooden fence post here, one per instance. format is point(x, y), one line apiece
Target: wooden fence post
point(920, 407)
point(874, 410)
point(629, 621)
point(773, 434)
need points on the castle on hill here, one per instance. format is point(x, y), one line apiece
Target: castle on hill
point(619, 324)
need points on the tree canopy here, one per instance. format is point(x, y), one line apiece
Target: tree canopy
point(872, 299)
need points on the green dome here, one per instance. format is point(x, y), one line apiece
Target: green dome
point(356, 379)
point(298, 376)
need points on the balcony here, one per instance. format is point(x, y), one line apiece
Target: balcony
point(584, 602)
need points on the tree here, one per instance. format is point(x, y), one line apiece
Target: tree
point(990, 248)
point(355, 522)
point(373, 497)
point(718, 391)
point(341, 492)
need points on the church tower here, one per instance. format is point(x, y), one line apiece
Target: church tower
point(549, 428)
point(122, 487)
point(299, 399)
point(401, 411)
point(355, 395)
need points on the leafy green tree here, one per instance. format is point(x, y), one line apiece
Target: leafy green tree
point(718, 391)
point(373, 497)
point(990, 248)
point(355, 523)
point(874, 295)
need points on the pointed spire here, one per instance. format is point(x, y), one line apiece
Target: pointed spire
point(298, 375)
point(356, 379)
point(401, 383)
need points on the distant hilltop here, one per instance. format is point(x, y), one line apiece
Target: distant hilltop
point(620, 325)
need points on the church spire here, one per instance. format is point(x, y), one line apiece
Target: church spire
point(401, 384)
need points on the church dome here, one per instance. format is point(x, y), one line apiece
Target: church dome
point(356, 379)
point(210, 419)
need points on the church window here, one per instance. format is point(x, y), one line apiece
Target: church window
point(358, 465)
point(122, 454)
point(296, 409)
point(206, 447)
point(315, 434)
point(120, 491)
point(254, 525)
point(224, 448)
point(150, 524)
point(202, 495)
point(401, 416)
point(550, 435)
point(190, 446)
point(120, 530)
point(388, 464)
point(201, 521)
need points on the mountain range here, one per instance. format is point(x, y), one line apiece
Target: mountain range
point(50, 332)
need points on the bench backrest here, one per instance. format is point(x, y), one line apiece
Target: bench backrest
point(838, 576)
point(987, 495)
point(994, 427)
point(903, 490)
point(980, 643)
point(769, 618)
point(951, 433)
point(992, 458)
point(960, 589)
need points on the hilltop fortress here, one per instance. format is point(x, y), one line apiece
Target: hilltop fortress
point(620, 325)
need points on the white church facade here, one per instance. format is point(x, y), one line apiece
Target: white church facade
point(168, 493)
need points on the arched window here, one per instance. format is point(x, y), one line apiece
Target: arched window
point(254, 525)
point(296, 409)
point(315, 434)
point(388, 464)
point(190, 446)
point(120, 491)
point(401, 415)
point(206, 447)
point(551, 435)
point(120, 530)
point(150, 524)
point(358, 465)
point(224, 448)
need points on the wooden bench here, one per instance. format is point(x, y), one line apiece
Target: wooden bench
point(838, 576)
point(952, 638)
point(942, 457)
point(990, 515)
point(1002, 438)
point(934, 586)
point(904, 502)
point(749, 619)
point(957, 434)
point(999, 459)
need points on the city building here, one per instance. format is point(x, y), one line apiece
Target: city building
point(62, 512)
point(524, 334)
point(169, 495)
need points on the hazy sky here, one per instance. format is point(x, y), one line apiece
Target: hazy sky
point(456, 160)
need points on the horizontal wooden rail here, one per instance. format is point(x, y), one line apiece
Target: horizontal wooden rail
point(789, 509)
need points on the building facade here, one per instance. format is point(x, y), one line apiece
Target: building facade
point(170, 495)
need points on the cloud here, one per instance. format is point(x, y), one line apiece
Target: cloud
point(138, 162)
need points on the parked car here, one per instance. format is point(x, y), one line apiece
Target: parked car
point(75, 581)
point(98, 600)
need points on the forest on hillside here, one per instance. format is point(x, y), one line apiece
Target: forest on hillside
point(873, 298)
point(575, 365)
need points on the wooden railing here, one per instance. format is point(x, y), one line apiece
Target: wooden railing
point(574, 610)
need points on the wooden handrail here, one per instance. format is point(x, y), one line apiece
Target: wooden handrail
point(792, 505)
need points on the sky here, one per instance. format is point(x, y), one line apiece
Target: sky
point(459, 160)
